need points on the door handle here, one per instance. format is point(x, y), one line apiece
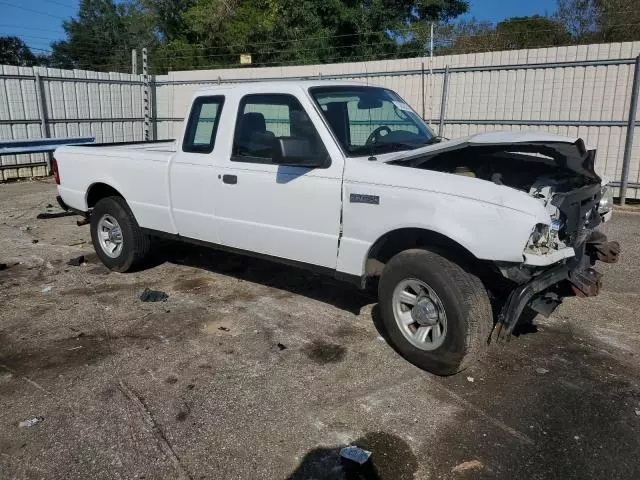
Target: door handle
point(230, 179)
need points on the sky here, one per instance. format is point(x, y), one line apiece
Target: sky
point(39, 22)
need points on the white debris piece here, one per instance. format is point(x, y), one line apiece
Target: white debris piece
point(541, 370)
point(471, 379)
point(30, 422)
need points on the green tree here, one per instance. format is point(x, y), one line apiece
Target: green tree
point(513, 33)
point(531, 32)
point(599, 21)
point(13, 51)
point(303, 31)
point(102, 35)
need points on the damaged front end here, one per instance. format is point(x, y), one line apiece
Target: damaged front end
point(573, 244)
point(559, 257)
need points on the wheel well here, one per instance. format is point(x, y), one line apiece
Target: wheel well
point(396, 241)
point(98, 191)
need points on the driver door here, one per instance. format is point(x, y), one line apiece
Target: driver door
point(282, 211)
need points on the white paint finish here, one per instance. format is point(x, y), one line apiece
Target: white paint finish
point(460, 208)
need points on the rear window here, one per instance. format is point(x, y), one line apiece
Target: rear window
point(202, 126)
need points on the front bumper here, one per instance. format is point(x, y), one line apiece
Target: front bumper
point(544, 292)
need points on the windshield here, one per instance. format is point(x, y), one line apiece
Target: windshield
point(371, 120)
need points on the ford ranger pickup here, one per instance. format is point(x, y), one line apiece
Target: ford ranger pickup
point(462, 239)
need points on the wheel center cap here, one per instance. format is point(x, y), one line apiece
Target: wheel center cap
point(425, 312)
point(115, 235)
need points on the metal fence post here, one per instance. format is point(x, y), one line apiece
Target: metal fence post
point(631, 126)
point(422, 84)
point(443, 102)
point(134, 62)
point(145, 95)
point(42, 113)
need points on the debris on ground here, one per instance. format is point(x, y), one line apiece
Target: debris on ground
point(47, 289)
point(637, 410)
point(30, 422)
point(49, 205)
point(26, 229)
point(76, 261)
point(466, 466)
point(281, 346)
point(77, 243)
point(3, 266)
point(541, 370)
point(153, 296)
point(34, 240)
point(355, 454)
point(224, 329)
point(471, 379)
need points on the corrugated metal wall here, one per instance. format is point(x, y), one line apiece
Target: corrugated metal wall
point(486, 91)
point(588, 101)
point(107, 106)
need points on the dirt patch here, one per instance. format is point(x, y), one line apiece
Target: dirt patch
point(57, 355)
point(104, 288)
point(191, 284)
point(323, 352)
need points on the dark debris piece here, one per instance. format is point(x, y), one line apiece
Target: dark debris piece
point(153, 296)
point(3, 266)
point(224, 329)
point(77, 261)
point(281, 346)
point(34, 240)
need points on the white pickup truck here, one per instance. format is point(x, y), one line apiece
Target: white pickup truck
point(461, 237)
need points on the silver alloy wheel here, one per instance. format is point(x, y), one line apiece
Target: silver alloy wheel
point(109, 236)
point(419, 314)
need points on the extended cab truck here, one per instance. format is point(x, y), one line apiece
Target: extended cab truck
point(462, 237)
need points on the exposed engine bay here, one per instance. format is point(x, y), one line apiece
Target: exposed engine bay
point(571, 198)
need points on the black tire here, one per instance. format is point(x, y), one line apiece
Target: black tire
point(135, 243)
point(469, 318)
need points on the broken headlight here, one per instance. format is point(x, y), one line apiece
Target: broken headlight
point(540, 236)
point(606, 200)
point(545, 237)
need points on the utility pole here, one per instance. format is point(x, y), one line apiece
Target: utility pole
point(134, 62)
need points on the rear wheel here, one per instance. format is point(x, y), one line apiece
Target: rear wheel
point(117, 238)
point(436, 313)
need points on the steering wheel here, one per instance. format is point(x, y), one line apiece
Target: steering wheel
point(376, 134)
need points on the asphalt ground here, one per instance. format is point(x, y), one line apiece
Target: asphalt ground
point(261, 371)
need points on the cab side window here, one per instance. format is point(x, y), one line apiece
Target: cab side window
point(202, 126)
point(264, 121)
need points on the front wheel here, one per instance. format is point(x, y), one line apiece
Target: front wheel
point(437, 314)
point(117, 238)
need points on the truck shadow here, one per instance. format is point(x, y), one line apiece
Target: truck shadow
point(283, 277)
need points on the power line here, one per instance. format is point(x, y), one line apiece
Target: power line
point(26, 9)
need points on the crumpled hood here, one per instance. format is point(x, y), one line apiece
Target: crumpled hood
point(565, 152)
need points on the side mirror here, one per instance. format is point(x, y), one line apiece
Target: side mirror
point(298, 152)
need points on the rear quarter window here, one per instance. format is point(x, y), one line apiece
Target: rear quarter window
point(202, 126)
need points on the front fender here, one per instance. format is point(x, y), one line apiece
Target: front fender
point(488, 231)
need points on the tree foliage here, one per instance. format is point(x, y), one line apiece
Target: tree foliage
point(600, 21)
point(188, 34)
point(13, 51)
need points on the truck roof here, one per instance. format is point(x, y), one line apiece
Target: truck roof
point(276, 84)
